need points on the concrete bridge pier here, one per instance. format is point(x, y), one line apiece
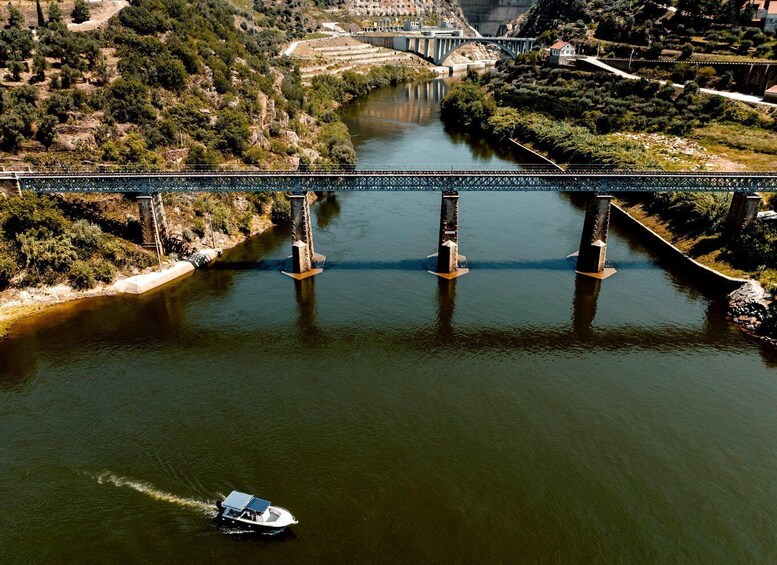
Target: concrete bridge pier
point(743, 210)
point(449, 262)
point(303, 256)
point(591, 257)
point(153, 222)
point(10, 187)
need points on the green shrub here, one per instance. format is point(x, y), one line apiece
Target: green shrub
point(8, 269)
point(19, 215)
point(82, 276)
point(85, 235)
point(198, 227)
point(43, 251)
point(221, 220)
point(695, 213)
point(104, 271)
point(245, 223)
point(281, 210)
point(258, 200)
point(200, 156)
point(255, 155)
point(755, 247)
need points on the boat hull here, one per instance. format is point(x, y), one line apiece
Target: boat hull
point(241, 525)
point(285, 519)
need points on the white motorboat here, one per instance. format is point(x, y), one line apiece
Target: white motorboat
point(244, 510)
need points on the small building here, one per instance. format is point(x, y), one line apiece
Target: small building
point(771, 94)
point(561, 53)
point(770, 22)
point(760, 8)
point(410, 25)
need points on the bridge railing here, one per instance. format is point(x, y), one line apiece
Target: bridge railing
point(520, 169)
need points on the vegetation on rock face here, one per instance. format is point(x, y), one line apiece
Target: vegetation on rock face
point(166, 83)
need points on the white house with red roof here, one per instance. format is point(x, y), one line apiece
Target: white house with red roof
point(561, 53)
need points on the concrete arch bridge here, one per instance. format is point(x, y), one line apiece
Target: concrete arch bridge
point(438, 48)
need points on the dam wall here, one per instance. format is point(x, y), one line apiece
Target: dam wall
point(487, 16)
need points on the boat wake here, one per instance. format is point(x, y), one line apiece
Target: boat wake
point(202, 506)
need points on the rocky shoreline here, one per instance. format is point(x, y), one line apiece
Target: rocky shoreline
point(748, 308)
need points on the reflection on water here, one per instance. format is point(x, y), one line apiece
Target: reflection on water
point(446, 306)
point(326, 210)
point(305, 294)
point(584, 304)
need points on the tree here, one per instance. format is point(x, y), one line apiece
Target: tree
point(39, 12)
point(15, 18)
point(128, 102)
point(234, 131)
point(59, 105)
point(39, 66)
point(55, 15)
point(47, 130)
point(68, 76)
point(11, 130)
point(16, 68)
point(80, 12)
point(686, 51)
point(200, 156)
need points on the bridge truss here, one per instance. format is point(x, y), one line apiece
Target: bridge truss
point(148, 182)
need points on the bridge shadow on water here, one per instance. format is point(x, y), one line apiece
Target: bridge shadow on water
point(420, 264)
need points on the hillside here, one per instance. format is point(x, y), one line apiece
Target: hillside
point(681, 27)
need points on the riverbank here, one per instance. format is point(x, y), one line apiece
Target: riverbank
point(748, 303)
point(17, 304)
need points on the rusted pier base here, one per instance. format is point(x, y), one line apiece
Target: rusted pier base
point(303, 256)
point(449, 262)
point(591, 257)
point(743, 210)
point(153, 222)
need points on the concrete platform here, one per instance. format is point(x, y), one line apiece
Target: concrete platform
point(460, 272)
point(303, 276)
point(451, 276)
point(140, 284)
point(607, 272)
point(318, 260)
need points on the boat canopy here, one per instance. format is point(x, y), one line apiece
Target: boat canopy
point(240, 501)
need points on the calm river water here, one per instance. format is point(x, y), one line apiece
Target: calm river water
point(519, 414)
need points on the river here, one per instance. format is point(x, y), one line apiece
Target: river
point(519, 414)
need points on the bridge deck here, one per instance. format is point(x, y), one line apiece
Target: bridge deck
point(534, 179)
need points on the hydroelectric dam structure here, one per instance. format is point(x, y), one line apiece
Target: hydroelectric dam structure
point(599, 184)
point(438, 48)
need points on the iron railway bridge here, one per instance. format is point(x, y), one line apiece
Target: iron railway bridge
point(532, 179)
point(599, 183)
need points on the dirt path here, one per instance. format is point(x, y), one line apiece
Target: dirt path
point(101, 13)
point(746, 98)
